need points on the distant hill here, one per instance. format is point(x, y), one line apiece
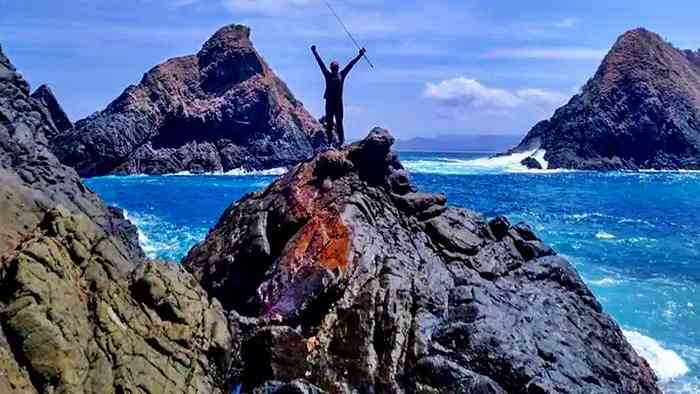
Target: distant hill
point(459, 143)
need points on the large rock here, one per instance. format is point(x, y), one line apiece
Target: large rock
point(80, 310)
point(221, 109)
point(640, 110)
point(341, 277)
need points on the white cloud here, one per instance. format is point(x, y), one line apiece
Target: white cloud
point(264, 7)
point(470, 93)
point(567, 23)
point(564, 53)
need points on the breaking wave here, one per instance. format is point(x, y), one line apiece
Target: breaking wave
point(666, 363)
point(494, 164)
point(236, 172)
point(160, 239)
point(605, 236)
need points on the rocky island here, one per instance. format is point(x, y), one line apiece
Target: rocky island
point(218, 110)
point(340, 277)
point(641, 110)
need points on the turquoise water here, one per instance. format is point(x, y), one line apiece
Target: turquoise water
point(633, 237)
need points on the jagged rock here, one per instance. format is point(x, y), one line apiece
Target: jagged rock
point(531, 163)
point(32, 181)
point(80, 310)
point(387, 299)
point(218, 110)
point(45, 95)
point(640, 110)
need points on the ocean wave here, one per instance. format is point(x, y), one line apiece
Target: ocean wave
point(495, 164)
point(605, 282)
point(160, 239)
point(605, 236)
point(236, 172)
point(666, 363)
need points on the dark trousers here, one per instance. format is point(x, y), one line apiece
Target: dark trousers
point(334, 109)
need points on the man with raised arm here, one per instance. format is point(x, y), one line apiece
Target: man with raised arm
point(335, 79)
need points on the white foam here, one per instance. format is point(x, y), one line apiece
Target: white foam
point(150, 248)
point(495, 164)
point(604, 235)
point(666, 363)
point(236, 172)
point(166, 238)
point(605, 282)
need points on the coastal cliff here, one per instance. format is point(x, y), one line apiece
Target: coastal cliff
point(641, 110)
point(341, 277)
point(218, 110)
point(81, 311)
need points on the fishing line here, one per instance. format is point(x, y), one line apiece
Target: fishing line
point(330, 7)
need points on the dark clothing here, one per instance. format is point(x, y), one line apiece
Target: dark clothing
point(334, 97)
point(334, 109)
point(334, 87)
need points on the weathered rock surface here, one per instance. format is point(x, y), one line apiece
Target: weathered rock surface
point(80, 310)
point(641, 110)
point(341, 278)
point(218, 110)
point(45, 95)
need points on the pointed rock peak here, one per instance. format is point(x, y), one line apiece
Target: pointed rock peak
point(235, 36)
point(43, 90)
point(636, 39)
point(45, 95)
point(4, 60)
point(228, 57)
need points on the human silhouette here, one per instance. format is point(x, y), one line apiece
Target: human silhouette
point(335, 79)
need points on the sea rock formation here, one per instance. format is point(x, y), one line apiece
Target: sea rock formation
point(641, 110)
point(218, 110)
point(80, 309)
point(341, 277)
point(45, 95)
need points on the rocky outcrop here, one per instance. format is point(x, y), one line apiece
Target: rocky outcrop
point(641, 110)
point(218, 110)
point(341, 277)
point(32, 181)
point(45, 95)
point(80, 309)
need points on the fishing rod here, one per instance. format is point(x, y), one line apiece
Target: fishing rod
point(330, 7)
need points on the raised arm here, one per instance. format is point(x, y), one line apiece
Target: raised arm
point(352, 63)
point(320, 62)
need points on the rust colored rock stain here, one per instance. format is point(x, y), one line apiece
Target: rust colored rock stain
point(324, 241)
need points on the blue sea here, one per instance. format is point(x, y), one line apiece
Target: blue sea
point(634, 237)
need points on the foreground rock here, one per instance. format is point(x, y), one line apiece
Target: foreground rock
point(341, 277)
point(218, 110)
point(80, 311)
point(641, 110)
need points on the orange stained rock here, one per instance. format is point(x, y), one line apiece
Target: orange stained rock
point(312, 343)
point(324, 241)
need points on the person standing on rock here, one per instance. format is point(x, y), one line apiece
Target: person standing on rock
point(335, 79)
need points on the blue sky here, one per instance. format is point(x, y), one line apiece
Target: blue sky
point(442, 66)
